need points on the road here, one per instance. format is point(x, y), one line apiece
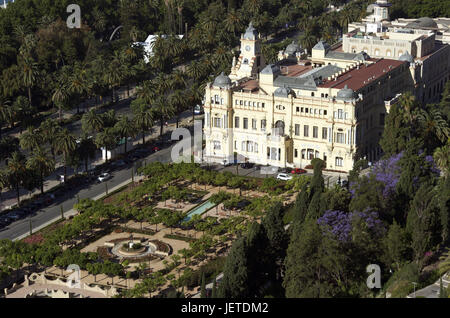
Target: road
point(43, 216)
point(432, 291)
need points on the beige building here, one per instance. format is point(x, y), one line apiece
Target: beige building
point(289, 113)
point(423, 42)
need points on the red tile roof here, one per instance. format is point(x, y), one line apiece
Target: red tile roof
point(251, 85)
point(355, 78)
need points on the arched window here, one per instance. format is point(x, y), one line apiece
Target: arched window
point(388, 53)
point(279, 128)
point(377, 52)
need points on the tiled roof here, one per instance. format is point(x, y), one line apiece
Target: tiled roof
point(355, 78)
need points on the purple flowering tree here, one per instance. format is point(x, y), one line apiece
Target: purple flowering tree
point(340, 224)
point(388, 173)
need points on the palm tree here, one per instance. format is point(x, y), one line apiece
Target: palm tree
point(162, 110)
point(196, 70)
point(114, 74)
point(78, 83)
point(86, 149)
point(49, 130)
point(345, 17)
point(60, 98)
point(143, 116)
point(42, 164)
point(30, 71)
point(434, 124)
point(308, 39)
point(5, 112)
point(31, 139)
point(442, 159)
point(233, 22)
point(409, 104)
point(16, 173)
point(194, 96)
point(107, 139)
point(66, 144)
point(23, 112)
point(125, 128)
point(92, 122)
point(178, 102)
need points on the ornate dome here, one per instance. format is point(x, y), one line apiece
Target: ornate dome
point(251, 33)
point(346, 94)
point(406, 57)
point(283, 92)
point(222, 81)
point(292, 48)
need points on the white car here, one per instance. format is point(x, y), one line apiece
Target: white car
point(103, 177)
point(284, 176)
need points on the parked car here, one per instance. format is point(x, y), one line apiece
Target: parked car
point(284, 176)
point(298, 171)
point(14, 216)
point(247, 165)
point(104, 176)
point(118, 164)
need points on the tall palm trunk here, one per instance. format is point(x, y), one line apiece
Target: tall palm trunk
point(42, 182)
point(143, 136)
point(29, 94)
point(18, 194)
point(161, 127)
point(65, 167)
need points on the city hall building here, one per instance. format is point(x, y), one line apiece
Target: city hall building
point(331, 105)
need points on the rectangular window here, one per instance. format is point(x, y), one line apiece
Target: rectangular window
point(297, 109)
point(324, 133)
point(297, 129)
point(306, 131)
point(263, 125)
point(315, 132)
point(262, 105)
point(217, 122)
point(340, 114)
point(217, 145)
point(340, 138)
point(245, 123)
point(254, 124)
point(236, 122)
point(339, 162)
point(296, 153)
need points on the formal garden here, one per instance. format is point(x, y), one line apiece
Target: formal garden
point(156, 236)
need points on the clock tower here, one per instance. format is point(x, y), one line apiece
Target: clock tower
point(250, 61)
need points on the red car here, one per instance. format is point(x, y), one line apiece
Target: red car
point(298, 171)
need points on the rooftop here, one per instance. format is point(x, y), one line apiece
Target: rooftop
point(358, 78)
